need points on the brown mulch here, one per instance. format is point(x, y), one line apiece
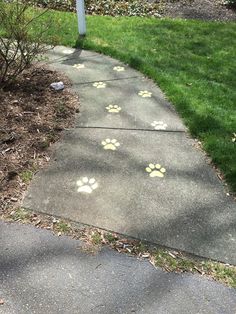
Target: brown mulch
point(215, 10)
point(199, 9)
point(32, 117)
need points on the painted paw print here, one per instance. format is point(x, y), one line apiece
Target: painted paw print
point(67, 51)
point(159, 125)
point(79, 66)
point(99, 84)
point(234, 138)
point(110, 144)
point(145, 94)
point(155, 170)
point(86, 185)
point(113, 109)
point(118, 68)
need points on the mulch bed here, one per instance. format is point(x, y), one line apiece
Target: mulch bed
point(215, 10)
point(199, 9)
point(32, 117)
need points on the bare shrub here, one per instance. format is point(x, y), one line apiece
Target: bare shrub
point(20, 41)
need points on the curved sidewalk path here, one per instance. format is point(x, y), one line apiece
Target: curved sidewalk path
point(129, 166)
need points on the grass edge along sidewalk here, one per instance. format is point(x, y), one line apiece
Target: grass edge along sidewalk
point(94, 239)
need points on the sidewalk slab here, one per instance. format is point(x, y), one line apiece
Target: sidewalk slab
point(42, 273)
point(84, 66)
point(120, 88)
point(134, 111)
point(187, 208)
point(62, 52)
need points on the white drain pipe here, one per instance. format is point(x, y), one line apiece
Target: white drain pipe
point(80, 8)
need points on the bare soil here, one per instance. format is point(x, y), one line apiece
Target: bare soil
point(32, 117)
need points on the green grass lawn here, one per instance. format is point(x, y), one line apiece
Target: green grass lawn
point(194, 63)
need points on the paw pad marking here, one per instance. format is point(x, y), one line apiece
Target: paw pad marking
point(155, 170)
point(99, 84)
point(110, 144)
point(86, 185)
point(79, 66)
point(113, 109)
point(67, 51)
point(159, 125)
point(118, 68)
point(145, 94)
point(234, 138)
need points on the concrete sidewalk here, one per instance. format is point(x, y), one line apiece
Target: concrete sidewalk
point(42, 273)
point(129, 166)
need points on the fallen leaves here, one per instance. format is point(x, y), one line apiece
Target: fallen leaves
point(92, 240)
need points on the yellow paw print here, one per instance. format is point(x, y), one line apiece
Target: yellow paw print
point(155, 170)
point(234, 138)
point(113, 109)
point(118, 68)
point(99, 84)
point(79, 66)
point(110, 144)
point(159, 125)
point(145, 94)
point(67, 51)
point(86, 185)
